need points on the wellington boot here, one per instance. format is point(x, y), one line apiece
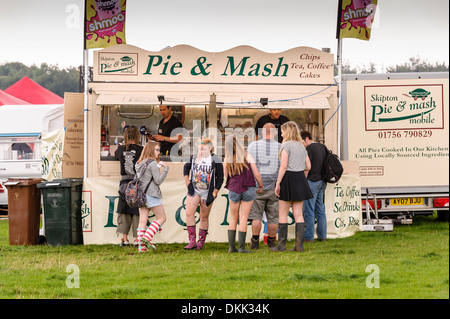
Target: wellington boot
point(282, 237)
point(232, 241)
point(192, 235)
point(241, 242)
point(299, 236)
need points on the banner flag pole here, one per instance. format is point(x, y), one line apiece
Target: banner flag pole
point(339, 62)
point(339, 77)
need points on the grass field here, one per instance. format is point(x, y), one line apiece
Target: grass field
point(411, 262)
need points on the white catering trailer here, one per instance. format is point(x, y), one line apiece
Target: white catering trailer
point(21, 128)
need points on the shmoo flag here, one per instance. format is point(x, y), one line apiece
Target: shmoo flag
point(104, 23)
point(355, 18)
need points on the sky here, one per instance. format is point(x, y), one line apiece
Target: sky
point(50, 31)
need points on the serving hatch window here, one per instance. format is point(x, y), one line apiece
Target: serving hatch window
point(243, 118)
point(147, 117)
point(144, 117)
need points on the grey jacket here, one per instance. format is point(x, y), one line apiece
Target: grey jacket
point(151, 171)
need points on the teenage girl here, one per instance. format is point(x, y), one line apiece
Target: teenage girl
point(150, 161)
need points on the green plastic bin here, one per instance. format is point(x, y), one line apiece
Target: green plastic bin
point(62, 211)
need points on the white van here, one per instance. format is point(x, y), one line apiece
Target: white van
point(21, 128)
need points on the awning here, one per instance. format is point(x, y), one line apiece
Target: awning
point(226, 95)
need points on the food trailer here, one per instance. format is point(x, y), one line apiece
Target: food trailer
point(212, 94)
point(21, 141)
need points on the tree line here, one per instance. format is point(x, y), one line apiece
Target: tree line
point(51, 77)
point(63, 80)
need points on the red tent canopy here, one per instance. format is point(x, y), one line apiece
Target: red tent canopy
point(28, 90)
point(8, 99)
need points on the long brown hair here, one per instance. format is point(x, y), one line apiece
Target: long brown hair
point(149, 152)
point(235, 159)
point(131, 136)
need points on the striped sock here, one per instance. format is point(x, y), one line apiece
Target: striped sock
point(151, 231)
point(140, 233)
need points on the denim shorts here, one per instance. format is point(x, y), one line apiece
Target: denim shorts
point(247, 196)
point(152, 201)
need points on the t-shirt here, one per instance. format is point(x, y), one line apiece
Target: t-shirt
point(265, 153)
point(316, 153)
point(201, 170)
point(276, 122)
point(297, 155)
point(128, 158)
point(240, 183)
point(165, 129)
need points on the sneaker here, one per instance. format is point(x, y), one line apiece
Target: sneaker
point(148, 243)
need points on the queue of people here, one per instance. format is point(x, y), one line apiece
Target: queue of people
point(269, 178)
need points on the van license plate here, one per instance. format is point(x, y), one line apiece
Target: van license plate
point(407, 201)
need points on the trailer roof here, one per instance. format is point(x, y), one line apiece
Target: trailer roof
point(30, 119)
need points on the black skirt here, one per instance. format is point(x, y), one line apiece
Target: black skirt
point(294, 187)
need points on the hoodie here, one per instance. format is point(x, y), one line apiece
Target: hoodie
point(153, 175)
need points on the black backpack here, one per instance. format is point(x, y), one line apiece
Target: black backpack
point(332, 167)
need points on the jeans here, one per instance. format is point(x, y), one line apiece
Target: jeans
point(314, 209)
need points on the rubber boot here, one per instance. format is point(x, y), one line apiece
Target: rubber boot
point(241, 242)
point(282, 237)
point(192, 236)
point(201, 238)
point(299, 236)
point(232, 241)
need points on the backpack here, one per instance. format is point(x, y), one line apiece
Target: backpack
point(332, 167)
point(134, 196)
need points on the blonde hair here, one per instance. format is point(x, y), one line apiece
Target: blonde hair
point(235, 159)
point(149, 152)
point(290, 132)
point(205, 141)
point(130, 135)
